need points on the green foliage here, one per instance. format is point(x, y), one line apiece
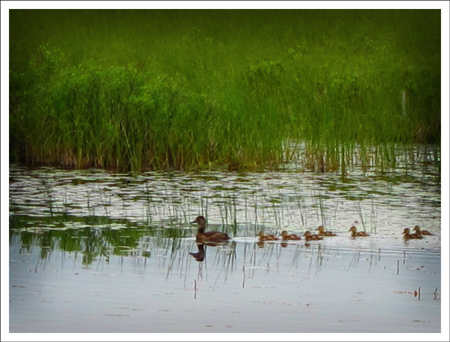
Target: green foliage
point(136, 90)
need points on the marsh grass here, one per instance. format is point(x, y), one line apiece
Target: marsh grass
point(188, 90)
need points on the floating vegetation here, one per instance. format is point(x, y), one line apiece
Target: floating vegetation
point(163, 204)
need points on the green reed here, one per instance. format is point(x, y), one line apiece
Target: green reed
point(188, 90)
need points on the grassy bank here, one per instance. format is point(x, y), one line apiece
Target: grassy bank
point(136, 90)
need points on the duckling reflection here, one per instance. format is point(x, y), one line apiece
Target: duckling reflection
point(260, 244)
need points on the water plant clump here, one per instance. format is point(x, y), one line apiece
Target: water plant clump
point(189, 90)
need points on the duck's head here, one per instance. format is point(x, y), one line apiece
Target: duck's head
point(307, 233)
point(406, 231)
point(352, 229)
point(417, 228)
point(261, 234)
point(200, 220)
point(284, 233)
point(320, 229)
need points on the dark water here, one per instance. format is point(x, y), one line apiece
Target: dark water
point(93, 251)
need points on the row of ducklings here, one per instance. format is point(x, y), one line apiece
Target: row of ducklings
point(307, 235)
point(354, 233)
point(214, 236)
point(417, 233)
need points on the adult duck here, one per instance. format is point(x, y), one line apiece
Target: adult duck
point(264, 237)
point(407, 235)
point(355, 233)
point(286, 236)
point(421, 232)
point(322, 232)
point(212, 236)
point(310, 236)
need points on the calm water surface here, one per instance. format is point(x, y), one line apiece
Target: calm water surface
point(94, 251)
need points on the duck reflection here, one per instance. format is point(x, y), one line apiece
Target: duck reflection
point(201, 246)
point(200, 255)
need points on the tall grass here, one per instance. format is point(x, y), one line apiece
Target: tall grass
point(137, 90)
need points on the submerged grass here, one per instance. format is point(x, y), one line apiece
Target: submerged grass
point(199, 89)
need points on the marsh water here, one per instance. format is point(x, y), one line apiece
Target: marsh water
point(96, 251)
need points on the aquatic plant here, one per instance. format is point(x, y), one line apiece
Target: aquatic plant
point(189, 90)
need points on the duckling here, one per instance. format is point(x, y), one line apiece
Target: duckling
point(407, 235)
point(263, 237)
point(208, 236)
point(322, 232)
point(420, 231)
point(309, 236)
point(354, 233)
point(286, 236)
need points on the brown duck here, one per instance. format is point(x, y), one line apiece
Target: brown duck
point(309, 236)
point(322, 232)
point(407, 235)
point(286, 236)
point(355, 233)
point(421, 232)
point(213, 236)
point(264, 237)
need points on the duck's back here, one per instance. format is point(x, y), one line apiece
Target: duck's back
point(213, 236)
